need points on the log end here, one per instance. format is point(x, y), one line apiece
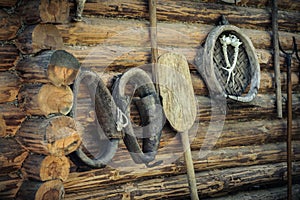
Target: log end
point(63, 68)
point(39, 37)
point(54, 167)
point(52, 99)
point(62, 136)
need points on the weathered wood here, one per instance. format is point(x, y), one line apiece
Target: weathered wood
point(9, 185)
point(208, 183)
point(99, 30)
point(41, 190)
point(247, 133)
point(266, 194)
point(106, 58)
point(8, 3)
point(11, 118)
point(54, 136)
point(10, 84)
point(9, 25)
point(282, 4)
point(56, 66)
point(9, 57)
point(45, 99)
point(95, 115)
point(179, 105)
point(263, 104)
point(45, 168)
point(39, 37)
point(276, 57)
point(194, 12)
point(36, 11)
point(176, 90)
point(12, 155)
point(2, 126)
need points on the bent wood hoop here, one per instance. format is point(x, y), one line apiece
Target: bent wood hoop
point(207, 64)
point(150, 112)
point(104, 108)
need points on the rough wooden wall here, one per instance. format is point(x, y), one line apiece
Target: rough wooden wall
point(249, 157)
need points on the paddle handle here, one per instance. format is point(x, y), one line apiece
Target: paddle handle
point(189, 165)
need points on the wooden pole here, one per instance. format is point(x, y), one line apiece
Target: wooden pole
point(289, 128)
point(189, 165)
point(153, 39)
point(276, 57)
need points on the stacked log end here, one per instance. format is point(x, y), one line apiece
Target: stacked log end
point(36, 135)
point(37, 37)
point(36, 11)
point(12, 156)
point(45, 168)
point(53, 189)
point(54, 136)
point(56, 66)
point(45, 99)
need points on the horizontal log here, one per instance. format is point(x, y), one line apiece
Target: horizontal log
point(264, 104)
point(56, 136)
point(11, 118)
point(109, 60)
point(34, 12)
point(9, 185)
point(10, 84)
point(8, 3)
point(45, 99)
point(176, 186)
point(45, 168)
point(282, 4)
point(111, 57)
point(39, 37)
point(266, 194)
point(9, 25)
point(56, 66)
point(194, 12)
point(9, 57)
point(241, 133)
point(121, 169)
point(134, 33)
point(12, 155)
point(41, 190)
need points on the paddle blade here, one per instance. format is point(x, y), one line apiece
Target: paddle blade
point(176, 90)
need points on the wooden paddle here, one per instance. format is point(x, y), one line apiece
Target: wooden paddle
point(179, 104)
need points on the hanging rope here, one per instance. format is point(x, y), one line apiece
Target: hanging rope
point(235, 42)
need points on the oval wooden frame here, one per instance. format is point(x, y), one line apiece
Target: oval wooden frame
point(112, 138)
point(205, 64)
point(146, 105)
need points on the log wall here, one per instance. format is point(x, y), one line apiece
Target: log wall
point(248, 157)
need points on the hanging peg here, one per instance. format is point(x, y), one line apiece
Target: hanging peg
point(79, 10)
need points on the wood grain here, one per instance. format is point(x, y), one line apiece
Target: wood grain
point(56, 136)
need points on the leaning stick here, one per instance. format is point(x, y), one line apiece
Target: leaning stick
point(276, 57)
